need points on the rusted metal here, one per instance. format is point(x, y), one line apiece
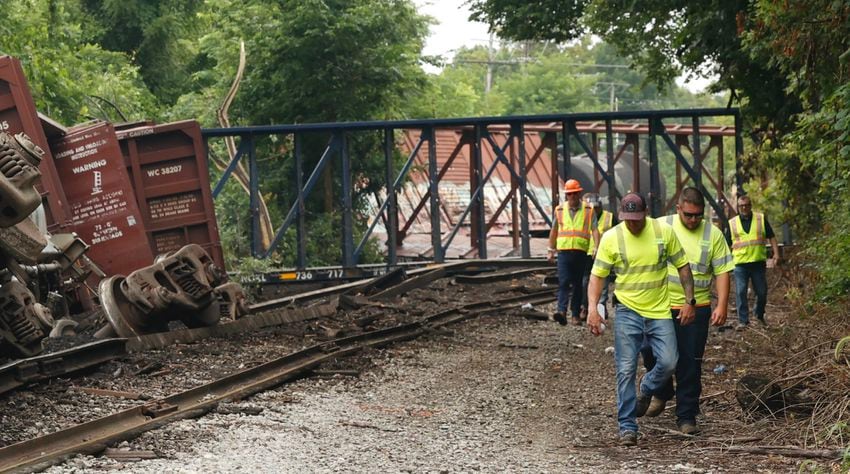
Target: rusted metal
point(23, 242)
point(179, 286)
point(168, 167)
point(94, 436)
point(501, 276)
point(46, 366)
point(100, 392)
point(23, 322)
point(241, 326)
point(103, 208)
point(19, 160)
point(18, 114)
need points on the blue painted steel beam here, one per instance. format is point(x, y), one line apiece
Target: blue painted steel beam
point(470, 121)
point(477, 201)
point(739, 152)
point(301, 232)
point(433, 187)
point(500, 157)
point(612, 176)
point(311, 182)
point(392, 210)
point(244, 143)
point(347, 203)
point(254, 199)
point(697, 150)
point(394, 203)
point(518, 132)
point(721, 213)
point(655, 196)
point(594, 158)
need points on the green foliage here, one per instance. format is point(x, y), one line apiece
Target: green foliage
point(337, 60)
point(820, 149)
point(70, 79)
point(556, 20)
point(156, 34)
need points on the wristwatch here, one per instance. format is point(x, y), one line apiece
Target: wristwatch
point(693, 302)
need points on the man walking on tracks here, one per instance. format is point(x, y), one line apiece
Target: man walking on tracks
point(709, 256)
point(638, 250)
point(605, 222)
point(748, 234)
point(573, 227)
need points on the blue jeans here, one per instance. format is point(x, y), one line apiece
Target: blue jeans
point(571, 265)
point(690, 340)
point(757, 272)
point(630, 331)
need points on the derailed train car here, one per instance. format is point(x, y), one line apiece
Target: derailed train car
point(98, 217)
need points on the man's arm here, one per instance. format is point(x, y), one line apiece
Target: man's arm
point(594, 289)
point(775, 246)
point(718, 316)
point(687, 313)
point(595, 236)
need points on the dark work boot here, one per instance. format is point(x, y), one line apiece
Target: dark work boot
point(560, 317)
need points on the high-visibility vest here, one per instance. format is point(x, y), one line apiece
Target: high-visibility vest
point(748, 246)
point(574, 232)
point(637, 278)
point(606, 221)
point(698, 248)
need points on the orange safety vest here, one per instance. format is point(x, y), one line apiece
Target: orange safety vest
point(574, 233)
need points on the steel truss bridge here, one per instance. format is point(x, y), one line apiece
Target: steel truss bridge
point(686, 135)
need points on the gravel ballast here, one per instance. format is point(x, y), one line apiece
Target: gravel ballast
point(494, 394)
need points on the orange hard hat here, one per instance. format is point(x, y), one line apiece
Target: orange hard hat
point(572, 186)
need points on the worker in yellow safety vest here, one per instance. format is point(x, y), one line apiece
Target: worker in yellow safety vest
point(638, 250)
point(605, 221)
point(748, 234)
point(573, 229)
point(709, 258)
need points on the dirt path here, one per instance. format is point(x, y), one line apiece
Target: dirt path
point(500, 393)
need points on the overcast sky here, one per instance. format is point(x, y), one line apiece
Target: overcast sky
point(455, 30)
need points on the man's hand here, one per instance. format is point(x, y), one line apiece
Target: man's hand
point(718, 316)
point(772, 262)
point(550, 256)
point(686, 315)
point(594, 321)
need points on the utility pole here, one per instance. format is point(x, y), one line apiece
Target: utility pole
point(490, 57)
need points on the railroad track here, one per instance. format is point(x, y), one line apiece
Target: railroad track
point(269, 313)
point(94, 436)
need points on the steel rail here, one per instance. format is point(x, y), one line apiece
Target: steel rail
point(94, 436)
point(46, 366)
point(23, 372)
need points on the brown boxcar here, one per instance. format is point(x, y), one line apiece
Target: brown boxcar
point(103, 208)
point(168, 168)
point(18, 114)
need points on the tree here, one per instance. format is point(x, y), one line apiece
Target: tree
point(71, 79)
point(662, 38)
point(310, 61)
point(158, 35)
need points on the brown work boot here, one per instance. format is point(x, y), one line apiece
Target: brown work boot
point(642, 405)
point(656, 406)
point(688, 427)
point(575, 321)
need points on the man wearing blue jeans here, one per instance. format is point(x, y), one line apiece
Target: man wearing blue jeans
point(748, 234)
point(709, 257)
point(638, 250)
point(573, 230)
